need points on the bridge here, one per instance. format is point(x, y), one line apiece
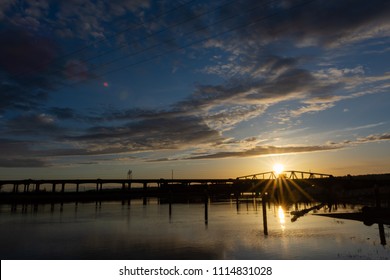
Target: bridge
point(291, 174)
point(35, 185)
point(296, 184)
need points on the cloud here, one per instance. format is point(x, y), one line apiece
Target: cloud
point(33, 125)
point(19, 154)
point(23, 54)
point(373, 138)
point(312, 23)
point(272, 150)
point(266, 150)
point(150, 134)
point(22, 162)
point(26, 70)
point(14, 97)
point(84, 19)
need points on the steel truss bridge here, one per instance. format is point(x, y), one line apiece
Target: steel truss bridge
point(291, 174)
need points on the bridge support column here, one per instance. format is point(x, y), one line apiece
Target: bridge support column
point(77, 187)
point(145, 185)
point(16, 187)
point(53, 188)
point(63, 187)
point(99, 185)
point(37, 185)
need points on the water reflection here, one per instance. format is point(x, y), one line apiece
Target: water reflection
point(282, 220)
point(182, 230)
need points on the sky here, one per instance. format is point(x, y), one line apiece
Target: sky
point(193, 89)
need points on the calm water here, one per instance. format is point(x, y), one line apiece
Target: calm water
point(115, 230)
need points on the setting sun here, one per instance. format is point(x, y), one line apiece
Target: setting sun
point(278, 168)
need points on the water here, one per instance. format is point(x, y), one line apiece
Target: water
point(218, 230)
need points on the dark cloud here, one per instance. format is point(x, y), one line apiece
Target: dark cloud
point(33, 125)
point(275, 80)
point(155, 133)
point(16, 153)
point(15, 97)
point(374, 138)
point(324, 23)
point(62, 113)
point(26, 69)
point(27, 57)
point(11, 148)
point(22, 162)
point(266, 150)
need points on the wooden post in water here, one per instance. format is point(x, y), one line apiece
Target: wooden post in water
point(170, 210)
point(237, 195)
point(264, 204)
point(380, 225)
point(382, 235)
point(377, 197)
point(206, 210)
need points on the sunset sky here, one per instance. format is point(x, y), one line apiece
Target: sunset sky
point(217, 89)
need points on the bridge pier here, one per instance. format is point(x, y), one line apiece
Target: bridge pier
point(53, 188)
point(77, 187)
point(37, 186)
point(99, 185)
point(63, 187)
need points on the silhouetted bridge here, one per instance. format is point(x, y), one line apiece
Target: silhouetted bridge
point(293, 182)
point(55, 185)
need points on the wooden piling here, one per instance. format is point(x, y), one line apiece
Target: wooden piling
point(206, 211)
point(264, 204)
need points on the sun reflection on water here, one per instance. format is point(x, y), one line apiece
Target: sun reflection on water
point(281, 216)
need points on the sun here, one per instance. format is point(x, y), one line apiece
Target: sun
point(278, 168)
